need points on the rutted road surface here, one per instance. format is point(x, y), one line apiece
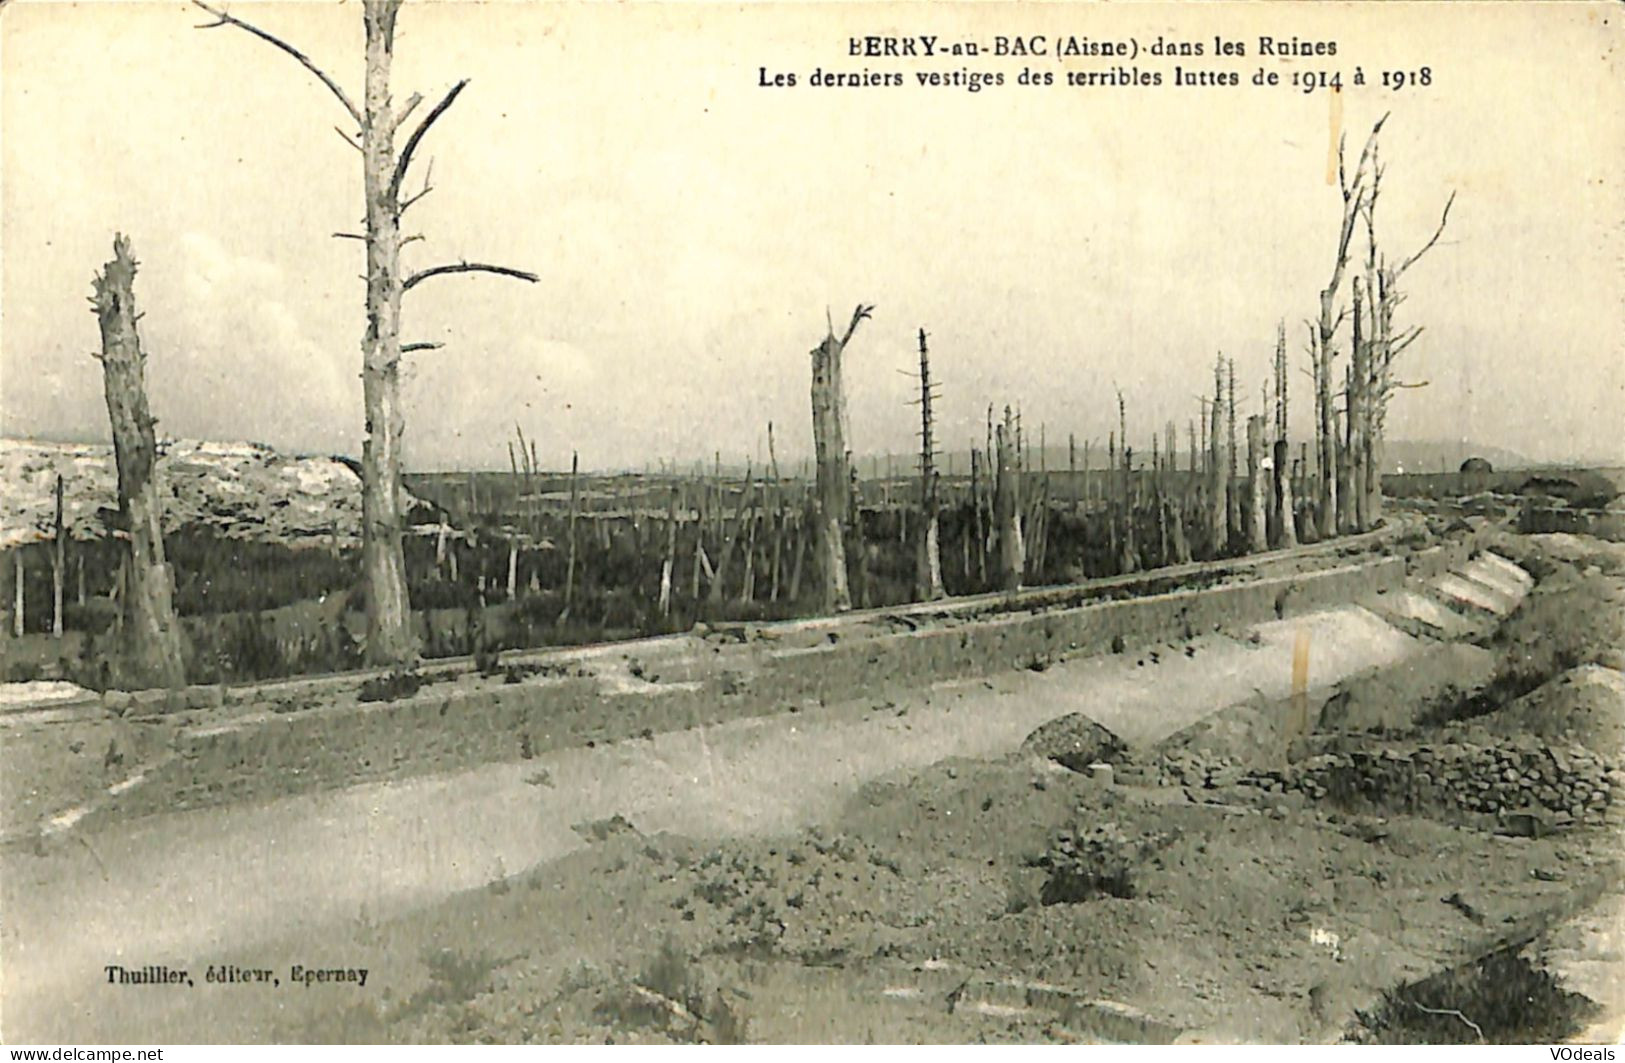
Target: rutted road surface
point(220, 884)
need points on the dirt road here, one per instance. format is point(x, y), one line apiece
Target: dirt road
point(227, 884)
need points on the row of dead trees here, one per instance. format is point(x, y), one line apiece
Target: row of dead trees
point(1277, 501)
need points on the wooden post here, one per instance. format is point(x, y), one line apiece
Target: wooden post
point(778, 516)
point(59, 564)
point(1072, 469)
point(18, 627)
point(976, 516)
point(570, 534)
point(154, 644)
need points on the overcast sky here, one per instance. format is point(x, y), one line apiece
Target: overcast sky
point(690, 228)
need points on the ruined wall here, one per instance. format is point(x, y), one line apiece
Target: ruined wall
point(1560, 784)
point(304, 735)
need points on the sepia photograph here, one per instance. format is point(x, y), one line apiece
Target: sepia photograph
point(682, 523)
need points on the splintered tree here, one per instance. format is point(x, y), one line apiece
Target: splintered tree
point(1281, 467)
point(1258, 488)
point(1218, 507)
point(1333, 508)
point(1378, 384)
point(929, 577)
point(1232, 496)
point(384, 172)
point(153, 645)
point(1006, 507)
point(833, 459)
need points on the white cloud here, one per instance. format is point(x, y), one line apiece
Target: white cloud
point(231, 359)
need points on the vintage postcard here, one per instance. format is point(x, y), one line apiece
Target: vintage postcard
point(684, 523)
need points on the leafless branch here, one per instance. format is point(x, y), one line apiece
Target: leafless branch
point(1353, 195)
point(1409, 387)
point(428, 186)
point(411, 105)
point(1450, 1011)
point(862, 313)
point(1443, 218)
point(349, 236)
point(412, 142)
point(409, 239)
point(1410, 338)
point(425, 190)
point(408, 348)
point(224, 19)
point(467, 267)
point(346, 138)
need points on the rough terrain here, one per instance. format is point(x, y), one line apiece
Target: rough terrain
point(913, 868)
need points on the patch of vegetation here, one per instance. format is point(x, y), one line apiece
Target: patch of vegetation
point(391, 687)
point(669, 996)
point(1509, 685)
point(1499, 999)
point(456, 977)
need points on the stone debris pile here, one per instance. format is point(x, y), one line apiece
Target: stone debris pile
point(1566, 784)
point(237, 490)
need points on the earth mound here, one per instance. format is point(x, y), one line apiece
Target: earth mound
point(1074, 741)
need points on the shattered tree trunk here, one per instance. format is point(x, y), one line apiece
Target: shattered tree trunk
point(1129, 561)
point(1218, 507)
point(1359, 414)
point(670, 561)
point(1328, 454)
point(1233, 533)
point(834, 486)
point(1345, 480)
point(929, 574)
point(1285, 511)
point(1285, 507)
point(1005, 517)
point(1377, 389)
point(153, 645)
point(1257, 487)
point(570, 533)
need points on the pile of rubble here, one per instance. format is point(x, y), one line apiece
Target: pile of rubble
point(1566, 784)
point(238, 490)
point(1197, 768)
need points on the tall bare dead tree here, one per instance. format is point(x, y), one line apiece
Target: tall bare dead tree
point(1218, 489)
point(1332, 502)
point(153, 649)
point(833, 459)
point(929, 577)
point(1258, 489)
point(1281, 461)
point(384, 171)
point(1382, 299)
point(1006, 507)
point(1232, 496)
